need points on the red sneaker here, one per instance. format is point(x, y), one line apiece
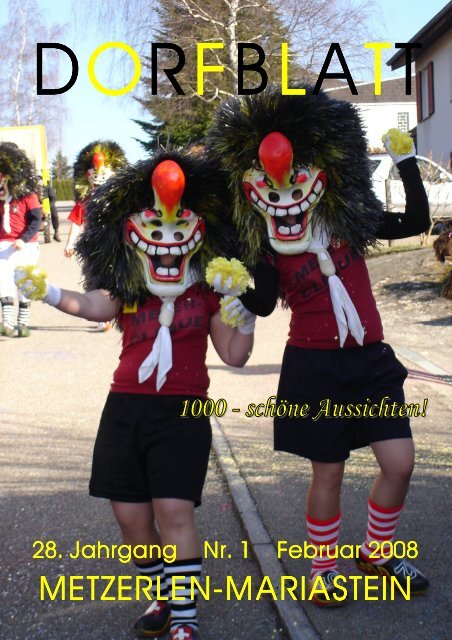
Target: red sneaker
point(155, 621)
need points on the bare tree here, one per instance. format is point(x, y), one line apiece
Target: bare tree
point(19, 102)
point(314, 24)
point(307, 26)
point(310, 26)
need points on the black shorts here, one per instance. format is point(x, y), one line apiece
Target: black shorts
point(144, 449)
point(357, 376)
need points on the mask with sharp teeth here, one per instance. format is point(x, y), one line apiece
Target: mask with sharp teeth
point(295, 164)
point(99, 172)
point(17, 176)
point(154, 226)
point(4, 191)
point(94, 165)
point(284, 194)
point(166, 235)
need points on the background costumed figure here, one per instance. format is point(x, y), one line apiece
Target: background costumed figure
point(443, 252)
point(20, 218)
point(150, 231)
point(95, 163)
point(306, 214)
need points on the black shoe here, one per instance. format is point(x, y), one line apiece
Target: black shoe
point(184, 632)
point(155, 621)
point(398, 568)
point(56, 236)
point(329, 599)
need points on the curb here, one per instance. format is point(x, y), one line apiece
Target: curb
point(422, 362)
point(293, 618)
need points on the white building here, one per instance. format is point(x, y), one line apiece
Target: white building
point(433, 63)
point(393, 109)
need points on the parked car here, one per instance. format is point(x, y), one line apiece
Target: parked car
point(437, 182)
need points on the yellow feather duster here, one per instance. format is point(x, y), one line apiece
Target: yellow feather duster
point(232, 270)
point(227, 316)
point(399, 141)
point(37, 277)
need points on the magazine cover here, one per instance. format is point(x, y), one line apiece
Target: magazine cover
point(225, 327)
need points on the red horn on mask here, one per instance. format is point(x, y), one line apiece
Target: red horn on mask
point(276, 156)
point(168, 181)
point(98, 160)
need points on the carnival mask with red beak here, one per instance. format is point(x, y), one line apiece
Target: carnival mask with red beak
point(166, 235)
point(100, 172)
point(4, 191)
point(284, 194)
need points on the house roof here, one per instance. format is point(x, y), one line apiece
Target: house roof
point(392, 90)
point(433, 30)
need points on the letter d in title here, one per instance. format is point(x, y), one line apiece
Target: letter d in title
point(72, 80)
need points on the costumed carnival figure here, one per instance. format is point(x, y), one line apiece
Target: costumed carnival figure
point(443, 250)
point(306, 213)
point(20, 219)
point(95, 163)
point(149, 233)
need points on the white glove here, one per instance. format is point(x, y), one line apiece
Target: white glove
point(226, 287)
point(34, 286)
point(398, 158)
point(53, 295)
point(238, 314)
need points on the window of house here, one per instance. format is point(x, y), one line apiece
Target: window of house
point(425, 95)
point(403, 121)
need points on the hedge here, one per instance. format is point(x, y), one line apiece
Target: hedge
point(64, 189)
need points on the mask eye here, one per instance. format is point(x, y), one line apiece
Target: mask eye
point(302, 176)
point(149, 216)
point(185, 216)
point(268, 182)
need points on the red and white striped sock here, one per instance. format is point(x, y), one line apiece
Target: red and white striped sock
point(381, 526)
point(323, 532)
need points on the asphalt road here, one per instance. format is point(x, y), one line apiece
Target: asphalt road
point(53, 386)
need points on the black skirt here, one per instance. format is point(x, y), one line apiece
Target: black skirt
point(343, 388)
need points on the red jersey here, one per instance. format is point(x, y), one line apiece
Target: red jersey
point(77, 214)
point(189, 331)
point(19, 218)
point(313, 324)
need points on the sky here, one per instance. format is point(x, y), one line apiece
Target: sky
point(92, 115)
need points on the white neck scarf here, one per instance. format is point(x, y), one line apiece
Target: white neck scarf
point(162, 350)
point(5, 223)
point(161, 355)
point(347, 317)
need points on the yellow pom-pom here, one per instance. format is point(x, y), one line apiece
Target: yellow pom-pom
point(232, 271)
point(225, 315)
point(230, 314)
point(37, 277)
point(400, 142)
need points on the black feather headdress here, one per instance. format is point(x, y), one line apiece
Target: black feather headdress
point(325, 133)
point(114, 158)
point(110, 262)
point(15, 164)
